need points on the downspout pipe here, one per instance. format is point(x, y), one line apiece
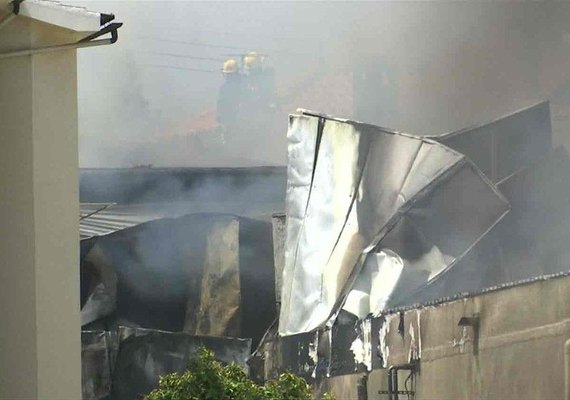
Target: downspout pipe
point(567, 369)
point(12, 15)
point(393, 389)
point(85, 42)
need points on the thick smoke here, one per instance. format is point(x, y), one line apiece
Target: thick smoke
point(174, 192)
point(428, 67)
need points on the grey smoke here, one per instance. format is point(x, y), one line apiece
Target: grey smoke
point(449, 65)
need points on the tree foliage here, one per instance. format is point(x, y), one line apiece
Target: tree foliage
point(208, 379)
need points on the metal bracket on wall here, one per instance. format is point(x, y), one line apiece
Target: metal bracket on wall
point(473, 322)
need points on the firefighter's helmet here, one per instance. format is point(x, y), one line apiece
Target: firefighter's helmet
point(250, 59)
point(230, 66)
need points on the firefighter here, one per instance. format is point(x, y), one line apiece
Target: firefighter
point(260, 82)
point(230, 96)
point(252, 63)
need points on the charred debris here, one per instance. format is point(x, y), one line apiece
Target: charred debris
point(378, 224)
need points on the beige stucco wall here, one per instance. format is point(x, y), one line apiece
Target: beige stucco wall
point(520, 355)
point(39, 277)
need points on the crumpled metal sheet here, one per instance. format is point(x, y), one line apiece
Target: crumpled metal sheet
point(144, 355)
point(503, 146)
point(354, 189)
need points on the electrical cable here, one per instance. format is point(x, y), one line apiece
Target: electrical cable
point(181, 68)
point(187, 56)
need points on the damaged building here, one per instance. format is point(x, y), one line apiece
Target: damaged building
point(404, 266)
point(158, 280)
point(423, 266)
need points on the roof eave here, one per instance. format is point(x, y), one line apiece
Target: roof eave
point(74, 18)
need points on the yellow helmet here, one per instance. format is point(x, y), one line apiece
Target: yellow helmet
point(250, 59)
point(230, 66)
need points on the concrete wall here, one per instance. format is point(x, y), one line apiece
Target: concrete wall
point(39, 278)
point(518, 354)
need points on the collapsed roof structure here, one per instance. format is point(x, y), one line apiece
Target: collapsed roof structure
point(392, 212)
point(378, 225)
point(399, 208)
point(381, 223)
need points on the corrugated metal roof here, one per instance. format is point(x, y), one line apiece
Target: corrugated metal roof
point(99, 219)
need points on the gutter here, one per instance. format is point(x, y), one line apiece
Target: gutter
point(88, 41)
point(12, 15)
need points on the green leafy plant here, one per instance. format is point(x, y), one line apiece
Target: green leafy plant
point(208, 379)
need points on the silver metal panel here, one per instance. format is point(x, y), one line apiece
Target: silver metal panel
point(351, 186)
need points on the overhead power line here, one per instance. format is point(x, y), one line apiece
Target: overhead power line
point(219, 59)
point(249, 34)
point(181, 68)
point(199, 44)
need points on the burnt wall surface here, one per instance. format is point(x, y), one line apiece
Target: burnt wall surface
point(514, 351)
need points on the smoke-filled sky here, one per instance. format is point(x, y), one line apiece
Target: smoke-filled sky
point(441, 66)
